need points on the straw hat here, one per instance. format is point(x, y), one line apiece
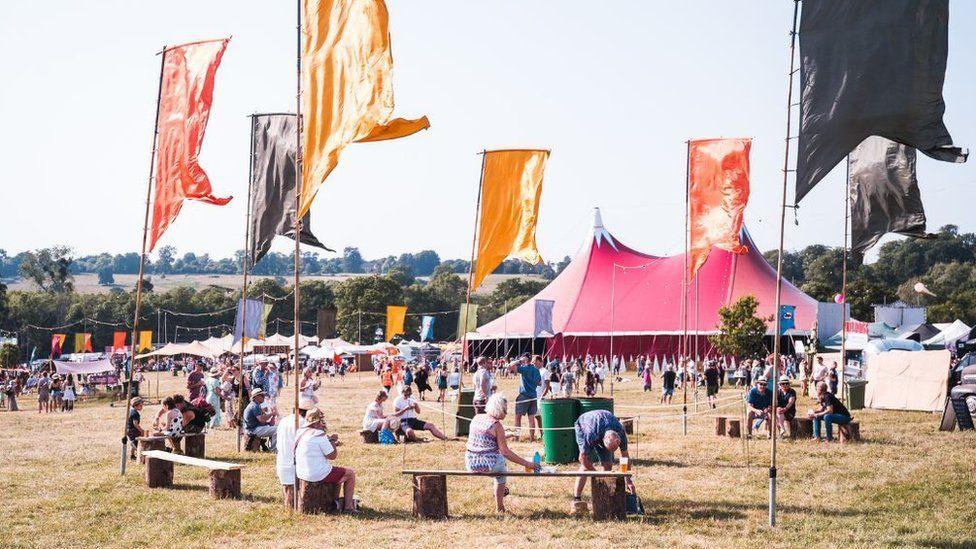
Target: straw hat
point(315, 415)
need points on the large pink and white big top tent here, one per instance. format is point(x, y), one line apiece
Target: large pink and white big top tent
point(611, 288)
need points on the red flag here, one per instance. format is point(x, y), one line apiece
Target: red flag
point(856, 327)
point(185, 97)
point(717, 195)
point(57, 340)
point(118, 341)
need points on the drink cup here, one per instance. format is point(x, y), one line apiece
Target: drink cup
point(624, 465)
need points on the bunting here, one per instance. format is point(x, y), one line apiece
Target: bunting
point(347, 83)
point(718, 191)
point(511, 186)
point(185, 98)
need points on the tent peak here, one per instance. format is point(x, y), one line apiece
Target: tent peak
point(600, 232)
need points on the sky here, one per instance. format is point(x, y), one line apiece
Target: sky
point(613, 88)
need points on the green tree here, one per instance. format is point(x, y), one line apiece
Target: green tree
point(368, 295)
point(49, 269)
point(105, 276)
point(9, 355)
point(741, 331)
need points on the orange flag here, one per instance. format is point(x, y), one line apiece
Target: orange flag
point(717, 195)
point(347, 85)
point(57, 342)
point(185, 97)
point(145, 341)
point(511, 186)
point(118, 341)
point(395, 315)
point(83, 343)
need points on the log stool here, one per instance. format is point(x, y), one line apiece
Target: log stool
point(317, 497)
point(254, 443)
point(225, 484)
point(430, 496)
point(144, 444)
point(720, 426)
point(159, 472)
point(850, 432)
point(628, 423)
point(734, 427)
point(369, 437)
point(195, 445)
point(802, 427)
point(609, 497)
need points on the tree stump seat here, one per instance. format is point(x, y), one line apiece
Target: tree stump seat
point(802, 427)
point(254, 443)
point(225, 478)
point(628, 423)
point(734, 425)
point(850, 432)
point(608, 490)
point(369, 437)
point(317, 497)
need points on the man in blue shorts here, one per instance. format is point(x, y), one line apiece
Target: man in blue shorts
point(598, 432)
point(527, 402)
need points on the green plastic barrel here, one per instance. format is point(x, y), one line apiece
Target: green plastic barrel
point(588, 404)
point(855, 394)
point(559, 414)
point(465, 412)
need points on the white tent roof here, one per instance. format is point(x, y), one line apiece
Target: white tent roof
point(950, 334)
point(219, 345)
point(170, 349)
point(281, 340)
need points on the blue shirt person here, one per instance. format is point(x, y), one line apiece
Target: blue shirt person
point(759, 399)
point(527, 403)
point(598, 432)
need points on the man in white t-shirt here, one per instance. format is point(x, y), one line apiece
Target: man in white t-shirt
point(407, 408)
point(313, 452)
point(285, 458)
point(482, 381)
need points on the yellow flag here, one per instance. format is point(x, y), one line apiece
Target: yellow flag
point(395, 314)
point(83, 343)
point(347, 85)
point(510, 191)
point(145, 340)
point(467, 319)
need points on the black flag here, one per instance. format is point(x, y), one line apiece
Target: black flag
point(884, 194)
point(273, 184)
point(871, 67)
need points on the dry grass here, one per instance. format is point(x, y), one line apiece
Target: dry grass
point(906, 485)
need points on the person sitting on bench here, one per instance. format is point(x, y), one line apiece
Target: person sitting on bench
point(759, 400)
point(314, 451)
point(169, 423)
point(407, 408)
point(786, 406)
point(258, 422)
point(831, 411)
point(487, 448)
point(598, 432)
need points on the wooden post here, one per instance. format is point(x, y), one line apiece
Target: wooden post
point(298, 216)
point(430, 496)
point(734, 427)
point(159, 473)
point(146, 444)
point(316, 497)
point(142, 263)
point(467, 297)
point(195, 445)
point(609, 495)
point(225, 484)
point(720, 426)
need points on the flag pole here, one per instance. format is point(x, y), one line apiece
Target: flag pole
point(244, 262)
point(298, 220)
point(142, 263)
point(467, 298)
point(613, 290)
point(684, 296)
point(843, 278)
point(779, 266)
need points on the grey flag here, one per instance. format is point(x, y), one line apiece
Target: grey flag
point(871, 67)
point(543, 317)
point(884, 194)
point(273, 184)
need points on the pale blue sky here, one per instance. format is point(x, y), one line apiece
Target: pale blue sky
point(614, 88)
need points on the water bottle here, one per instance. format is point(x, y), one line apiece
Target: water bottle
point(537, 461)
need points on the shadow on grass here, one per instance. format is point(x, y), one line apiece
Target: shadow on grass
point(940, 544)
point(643, 462)
point(670, 510)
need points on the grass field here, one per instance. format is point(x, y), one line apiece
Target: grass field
point(88, 283)
point(906, 485)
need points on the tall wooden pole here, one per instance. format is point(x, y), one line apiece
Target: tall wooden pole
point(298, 220)
point(613, 291)
point(684, 296)
point(779, 267)
point(467, 297)
point(244, 262)
point(142, 263)
point(843, 277)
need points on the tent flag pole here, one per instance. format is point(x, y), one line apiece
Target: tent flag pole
point(779, 266)
point(467, 297)
point(613, 287)
point(142, 264)
point(684, 296)
point(298, 221)
point(244, 261)
point(843, 279)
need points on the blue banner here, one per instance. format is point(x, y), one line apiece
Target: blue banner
point(255, 319)
point(427, 329)
point(787, 319)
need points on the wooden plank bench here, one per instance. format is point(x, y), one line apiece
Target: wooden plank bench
point(194, 445)
point(608, 490)
point(225, 478)
point(728, 426)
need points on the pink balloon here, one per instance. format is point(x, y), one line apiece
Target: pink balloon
point(838, 298)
